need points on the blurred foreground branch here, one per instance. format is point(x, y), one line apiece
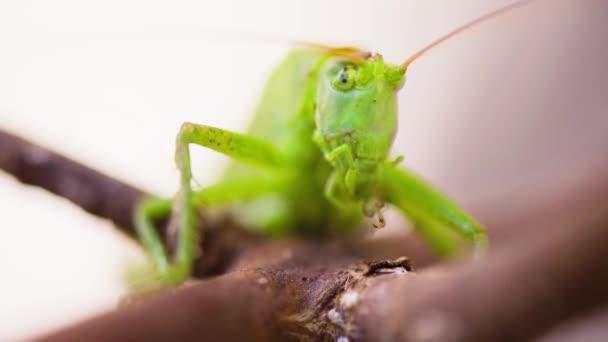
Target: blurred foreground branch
point(91, 190)
point(311, 290)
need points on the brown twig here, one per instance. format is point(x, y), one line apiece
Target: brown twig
point(320, 290)
point(310, 291)
point(280, 290)
point(91, 190)
point(514, 295)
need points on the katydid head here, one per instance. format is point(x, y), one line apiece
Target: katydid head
point(356, 114)
point(356, 111)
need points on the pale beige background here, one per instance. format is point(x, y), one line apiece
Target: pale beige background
point(109, 84)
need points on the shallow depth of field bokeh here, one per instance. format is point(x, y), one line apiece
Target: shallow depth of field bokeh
point(490, 112)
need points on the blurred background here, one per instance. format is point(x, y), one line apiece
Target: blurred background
point(505, 118)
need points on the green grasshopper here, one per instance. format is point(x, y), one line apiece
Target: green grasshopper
point(314, 161)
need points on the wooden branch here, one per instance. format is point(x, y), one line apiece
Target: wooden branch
point(516, 294)
point(311, 291)
point(280, 290)
point(321, 290)
point(91, 190)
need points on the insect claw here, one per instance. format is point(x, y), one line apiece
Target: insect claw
point(395, 162)
point(381, 222)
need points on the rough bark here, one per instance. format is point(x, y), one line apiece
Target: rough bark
point(326, 290)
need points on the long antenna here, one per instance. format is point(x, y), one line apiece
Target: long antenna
point(465, 27)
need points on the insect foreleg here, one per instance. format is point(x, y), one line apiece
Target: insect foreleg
point(342, 150)
point(226, 192)
point(351, 174)
point(146, 212)
point(431, 212)
point(242, 147)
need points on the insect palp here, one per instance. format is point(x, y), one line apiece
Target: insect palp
point(381, 223)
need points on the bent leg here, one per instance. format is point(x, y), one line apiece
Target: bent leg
point(242, 147)
point(431, 212)
point(151, 209)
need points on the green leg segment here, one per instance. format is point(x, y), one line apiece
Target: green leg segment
point(147, 211)
point(334, 192)
point(334, 184)
point(435, 216)
point(241, 147)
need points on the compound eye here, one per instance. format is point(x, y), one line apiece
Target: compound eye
point(345, 80)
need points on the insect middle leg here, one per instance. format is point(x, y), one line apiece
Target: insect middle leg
point(242, 147)
point(434, 216)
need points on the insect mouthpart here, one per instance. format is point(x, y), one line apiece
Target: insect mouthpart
point(373, 208)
